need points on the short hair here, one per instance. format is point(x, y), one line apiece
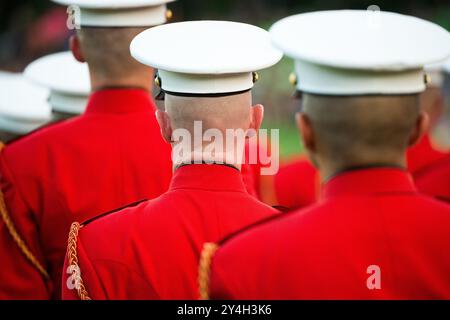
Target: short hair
point(227, 112)
point(352, 128)
point(107, 50)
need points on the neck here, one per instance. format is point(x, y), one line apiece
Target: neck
point(206, 163)
point(331, 169)
point(201, 157)
point(139, 81)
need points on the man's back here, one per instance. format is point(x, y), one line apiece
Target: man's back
point(424, 156)
point(108, 157)
point(372, 228)
point(152, 251)
point(297, 184)
point(435, 181)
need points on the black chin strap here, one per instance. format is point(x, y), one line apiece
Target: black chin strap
point(162, 93)
point(211, 163)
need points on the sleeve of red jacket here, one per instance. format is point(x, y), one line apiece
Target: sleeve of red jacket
point(103, 277)
point(90, 280)
point(19, 278)
point(220, 284)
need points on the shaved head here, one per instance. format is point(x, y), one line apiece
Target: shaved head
point(229, 117)
point(361, 130)
point(229, 112)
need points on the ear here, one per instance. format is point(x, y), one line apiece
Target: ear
point(75, 47)
point(164, 123)
point(306, 131)
point(256, 116)
point(421, 127)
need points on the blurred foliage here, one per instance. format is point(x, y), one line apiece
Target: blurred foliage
point(255, 11)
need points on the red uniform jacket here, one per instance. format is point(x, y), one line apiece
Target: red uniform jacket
point(108, 157)
point(251, 171)
point(367, 219)
point(151, 251)
point(435, 181)
point(423, 156)
point(297, 184)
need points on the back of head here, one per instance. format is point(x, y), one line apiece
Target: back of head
point(362, 130)
point(107, 52)
point(432, 102)
point(222, 113)
point(211, 129)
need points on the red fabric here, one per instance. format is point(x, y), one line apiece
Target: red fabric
point(436, 180)
point(423, 155)
point(152, 251)
point(250, 176)
point(251, 168)
point(109, 157)
point(297, 184)
point(366, 217)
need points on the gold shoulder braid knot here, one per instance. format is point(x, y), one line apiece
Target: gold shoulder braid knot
point(73, 262)
point(17, 237)
point(204, 269)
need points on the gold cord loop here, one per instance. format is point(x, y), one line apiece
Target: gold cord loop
point(17, 237)
point(73, 262)
point(204, 269)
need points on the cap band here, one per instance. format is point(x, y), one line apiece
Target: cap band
point(20, 126)
point(125, 17)
point(437, 78)
point(325, 80)
point(205, 84)
point(67, 103)
point(206, 95)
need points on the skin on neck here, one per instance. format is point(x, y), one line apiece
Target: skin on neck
point(340, 133)
point(219, 113)
point(142, 80)
point(329, 169)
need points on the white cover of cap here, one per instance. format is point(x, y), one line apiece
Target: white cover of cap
point(118, 13)
point(67, 79)
point(112, 4)
point(447, 66)
point(205, 57)
point(386, 48)
point(23, 106)
point(437, 72)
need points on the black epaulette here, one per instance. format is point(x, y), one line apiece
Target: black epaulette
point(72, 252)
point(45, 126)
point(282, 209)
point(131, 205)
point(442, 198)
point(275, 217)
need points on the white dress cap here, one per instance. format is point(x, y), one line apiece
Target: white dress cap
point(353, 52)
point(205, 57)
point(66, 78)
point(23, 105)
point(446, 66)
point(437, 71)
point(117, 13)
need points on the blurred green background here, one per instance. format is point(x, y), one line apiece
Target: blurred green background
point(32, 28)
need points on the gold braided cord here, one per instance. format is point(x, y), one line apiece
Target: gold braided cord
point(73, 261)
point(16, 236)
point(204, 269)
